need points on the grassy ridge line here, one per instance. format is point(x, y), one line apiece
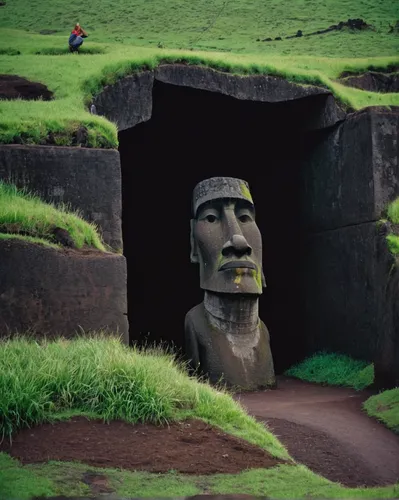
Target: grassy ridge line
point(97, 375)
point(75, 80)
point(25, 216)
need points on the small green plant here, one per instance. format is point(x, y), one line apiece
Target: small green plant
point(334, 369)
point(393, 217)
point(393, 211)
point(25, 216)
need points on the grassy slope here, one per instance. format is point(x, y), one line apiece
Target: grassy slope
point(25, 216)
point(233, 25)
point(132, 29)
point(99, 376)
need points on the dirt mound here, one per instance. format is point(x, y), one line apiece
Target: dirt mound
point(15, 87)
point(373, 82)
point(352, 24)
point(190, 447)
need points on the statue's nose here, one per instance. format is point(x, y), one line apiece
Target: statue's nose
point(237, 244)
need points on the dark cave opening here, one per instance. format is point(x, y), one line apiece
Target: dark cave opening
point(193, 135)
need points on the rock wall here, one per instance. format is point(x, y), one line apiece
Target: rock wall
point(349, 277)
point(129, 101)
point(89, 180)
point(58, 292)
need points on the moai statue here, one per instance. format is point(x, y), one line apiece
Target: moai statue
point(225, 339)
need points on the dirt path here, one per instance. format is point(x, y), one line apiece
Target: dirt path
point(325, 429)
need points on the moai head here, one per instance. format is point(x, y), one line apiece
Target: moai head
point(225, 239)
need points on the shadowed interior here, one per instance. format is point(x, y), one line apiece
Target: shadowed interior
point(193, 135)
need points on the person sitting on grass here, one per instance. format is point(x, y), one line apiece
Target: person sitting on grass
point(76, 38)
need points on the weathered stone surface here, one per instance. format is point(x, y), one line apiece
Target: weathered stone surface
point(127, 102)
point(58, 292)
point(225, 340)
point(89, 180)
point(352, 172)
point(350, 294)
point(261, 88)
point(373, 82)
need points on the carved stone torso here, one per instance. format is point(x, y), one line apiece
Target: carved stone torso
point(224, 350)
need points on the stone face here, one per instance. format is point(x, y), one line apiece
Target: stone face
point(89, 180)
point(352, 172)
point(224, 337)
point(60, 292)
point(128, 101)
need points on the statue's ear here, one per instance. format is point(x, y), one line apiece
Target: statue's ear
point(263, 280)
point(194, 251)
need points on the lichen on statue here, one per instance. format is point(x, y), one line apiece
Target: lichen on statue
point(225, 339)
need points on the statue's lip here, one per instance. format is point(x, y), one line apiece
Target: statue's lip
point(236, 264)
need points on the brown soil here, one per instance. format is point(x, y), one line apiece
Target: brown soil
point(325, 429)
point(15, 87)
point(190, 447)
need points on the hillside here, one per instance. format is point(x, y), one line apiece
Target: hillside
point(230, 25)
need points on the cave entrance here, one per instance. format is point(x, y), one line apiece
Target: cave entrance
point(193, 135)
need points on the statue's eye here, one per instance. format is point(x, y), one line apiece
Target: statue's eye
point(211, 218)
point(245, 218)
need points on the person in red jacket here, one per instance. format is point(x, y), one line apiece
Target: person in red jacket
point(76, 38)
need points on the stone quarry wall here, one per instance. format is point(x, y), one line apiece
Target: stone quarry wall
point(54, 292)
point(349, 276)
point(59, 292)
point(350, 282)
point(88, 180)
point(129, 101)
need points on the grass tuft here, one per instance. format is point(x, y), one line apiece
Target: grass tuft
point(334, 369)
point(59, 51)
point(23, 215)
point(393, 211)
point(385, 407)
point(393, 243)
point(99, 376)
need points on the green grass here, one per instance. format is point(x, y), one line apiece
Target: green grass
point(25, 216)
point(230, 25)
point(341, 370)
point(284, 481)
point(57, 121)
point(393, 243)
point(385, 407)
point(334, 369)
point(392, 213)
point(97, 375)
